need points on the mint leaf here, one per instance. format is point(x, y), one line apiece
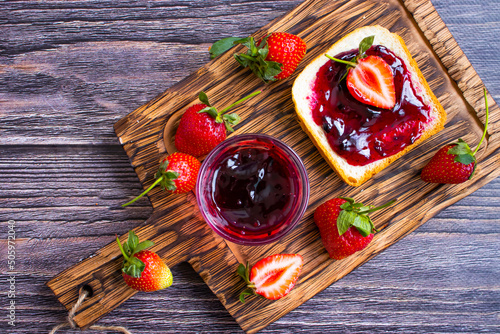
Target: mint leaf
point(345, 220)
point(223, 45)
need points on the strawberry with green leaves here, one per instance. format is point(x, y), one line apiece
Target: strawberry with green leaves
point(344, 226)
point(274, 57)
point(177, 174)
point(369, 78)
point(454, 163)
point(143, 270)
point(202, 127)
point(272, 277)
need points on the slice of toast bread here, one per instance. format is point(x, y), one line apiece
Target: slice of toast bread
point(303, 89)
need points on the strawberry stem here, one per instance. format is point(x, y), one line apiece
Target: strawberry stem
point(121, 249)
point(158, 180)
point(378, 207)
point(238, 102)
point(350, 63)
point(485, 125)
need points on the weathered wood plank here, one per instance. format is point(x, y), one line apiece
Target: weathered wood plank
point(140, 133)
point(96, 80)
point(26, 117)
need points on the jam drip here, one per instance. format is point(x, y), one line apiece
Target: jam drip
point(360, 133)
point(253, 190)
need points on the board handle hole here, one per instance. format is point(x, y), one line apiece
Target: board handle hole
point(88, 289)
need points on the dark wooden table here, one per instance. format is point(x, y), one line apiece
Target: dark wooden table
point(70, 69)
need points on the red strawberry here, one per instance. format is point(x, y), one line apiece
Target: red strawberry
point(371, 82)
point(453, 163)
point(287, 50)
point(143, 270)
point(344, 226)
point(202, 127)
point(272, 277)
point(274, 57)
point(180, 177)
point(369, 78)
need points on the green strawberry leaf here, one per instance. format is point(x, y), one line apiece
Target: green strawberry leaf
point(134, 267)
point(462, 152)
point(473, 170)
point(211, 111)
point(132, 240)
point(204, 98)
point(126, 248)
point(348, 199)
point(345, 220)
point(355, 214)
point(143, 245)
point(345, 206)
point(171, 175)
point(264, 51)
point(232, 119)
point(222, 46)
point(242, 271)
point(364, 45)
point(246, 292)
point(273, 68)
point(169, 185)
point(363, 225)
point(465, 158)
point(243, 61)
point(228, 127)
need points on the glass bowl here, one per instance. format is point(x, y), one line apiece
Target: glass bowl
point(252, 189)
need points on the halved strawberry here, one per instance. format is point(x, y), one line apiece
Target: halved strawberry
point(369, 78)
point(272, 277)
point(371, 82)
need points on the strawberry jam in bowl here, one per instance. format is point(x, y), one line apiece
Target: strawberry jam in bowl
point(361, 133)
point(252, 189)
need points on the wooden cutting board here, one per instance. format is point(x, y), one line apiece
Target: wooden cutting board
point(180, 233)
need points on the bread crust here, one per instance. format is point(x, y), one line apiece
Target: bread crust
point(316, 133)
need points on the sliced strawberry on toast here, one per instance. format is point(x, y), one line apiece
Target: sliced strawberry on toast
point(371, 82)
point(272, 277)
point(369, 79)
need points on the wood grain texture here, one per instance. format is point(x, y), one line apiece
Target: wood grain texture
point(57, 215)
point(141, 134)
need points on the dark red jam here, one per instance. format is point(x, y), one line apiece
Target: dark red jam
point(253, 189)
point(362, 133)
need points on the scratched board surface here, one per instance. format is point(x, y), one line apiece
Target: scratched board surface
point(178, 230)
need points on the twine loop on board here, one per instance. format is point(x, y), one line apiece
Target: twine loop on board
point(71, 323)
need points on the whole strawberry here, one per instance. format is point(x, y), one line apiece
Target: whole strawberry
point(453, 163)
point(202, 127)
point(177, 174)
point(143, 270)
point(274, 57)
point(272, 277)
point(344, 226)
